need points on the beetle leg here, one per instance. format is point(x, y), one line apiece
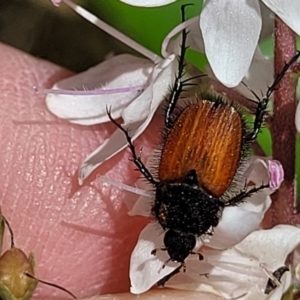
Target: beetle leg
point(154, 251)
point(274, 280)
point(135, 158)
point(244, 194)
point(164, 280)
point(263, 103)
point(200, 256)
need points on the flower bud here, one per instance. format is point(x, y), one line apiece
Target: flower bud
point(14, 283)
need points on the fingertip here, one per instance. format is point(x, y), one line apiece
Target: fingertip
point(159, 294)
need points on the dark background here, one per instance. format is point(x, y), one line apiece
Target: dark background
point(55, 34)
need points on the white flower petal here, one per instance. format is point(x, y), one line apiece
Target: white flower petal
point(230, 31)
point(158, 84)
point(262, 169)
point(239, 221)
point(287, 10)
point(111, 146)
point(267, 21)
point(120, 71)
point(230, 274)
point(56, 2)
point(259, 76)
point(271, 246)
point(238, 272)
point(148, 3)
point(236, 223)
point(194, 38)
point(297, 117)
point(136, 116)
point(142, 207)
point(145, 268)
point(285, 284)
point(257, 170)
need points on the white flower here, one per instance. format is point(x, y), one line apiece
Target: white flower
point(243, 271)
point(135, 107)
point(56, 2)
point(230, 31)
point(148, 3)
point(131, 87)
point(258, 76)
point(236, 224)
point(114, 83)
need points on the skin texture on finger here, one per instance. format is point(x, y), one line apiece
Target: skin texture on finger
point(81, 236)
point(160, 294)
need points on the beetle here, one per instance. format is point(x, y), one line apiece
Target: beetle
point(203, 147)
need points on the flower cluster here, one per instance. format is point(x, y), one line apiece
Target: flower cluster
point(228, 32)
point(238, 256)
point(139, 85)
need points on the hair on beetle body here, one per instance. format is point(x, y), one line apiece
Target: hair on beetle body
point(203, 115)
point(204, 144)
point(194, 186)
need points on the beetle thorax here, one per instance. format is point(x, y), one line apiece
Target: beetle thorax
point(186, 209)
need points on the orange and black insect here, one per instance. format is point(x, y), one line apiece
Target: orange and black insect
point(202, 152)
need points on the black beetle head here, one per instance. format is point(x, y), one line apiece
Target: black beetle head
point(179, 245)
